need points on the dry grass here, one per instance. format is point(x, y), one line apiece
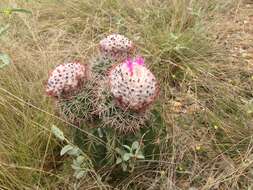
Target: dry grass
point(205, 136)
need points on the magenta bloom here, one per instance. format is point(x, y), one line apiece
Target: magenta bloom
point(130, 63)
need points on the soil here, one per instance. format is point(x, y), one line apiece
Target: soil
point(236, 32)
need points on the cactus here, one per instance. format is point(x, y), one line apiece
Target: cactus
point(66, 79)
point(116, 47)
point(99, 65)
point(80, 107)
point(111, 115)
point(95, 104)
point(133, 85)
point(107, 100)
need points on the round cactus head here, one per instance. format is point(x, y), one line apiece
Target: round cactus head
point(66, 79)
point(116, 47)
point(133, 84)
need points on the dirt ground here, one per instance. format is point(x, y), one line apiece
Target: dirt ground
point(236, 32)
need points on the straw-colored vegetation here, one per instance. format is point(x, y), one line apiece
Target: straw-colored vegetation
point(202, 136)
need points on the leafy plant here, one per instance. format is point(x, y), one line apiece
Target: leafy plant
point(81, 163)
point(129, 155)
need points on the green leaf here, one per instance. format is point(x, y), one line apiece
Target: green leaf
point(22, 11)
point(76, 168)
point(127, 156)
point(6, 11)
point(135, 145)
point(80, 160)
point(79, 174)
point(75, 152)
point(3, 29)
point(127, 147)
point(118, 161)
point(65, 149)
point(9, 11)
point(119, 151)
point(58, 133)
point(140, 155)
point(4, 59)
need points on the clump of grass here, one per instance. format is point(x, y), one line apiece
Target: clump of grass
point(206, 147)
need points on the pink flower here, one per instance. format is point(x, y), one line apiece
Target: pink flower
point(130, 63)
point(139, 60)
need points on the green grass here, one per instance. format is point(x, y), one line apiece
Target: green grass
point(202, 134)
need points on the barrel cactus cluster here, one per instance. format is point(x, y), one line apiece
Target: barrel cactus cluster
point(115, 89)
